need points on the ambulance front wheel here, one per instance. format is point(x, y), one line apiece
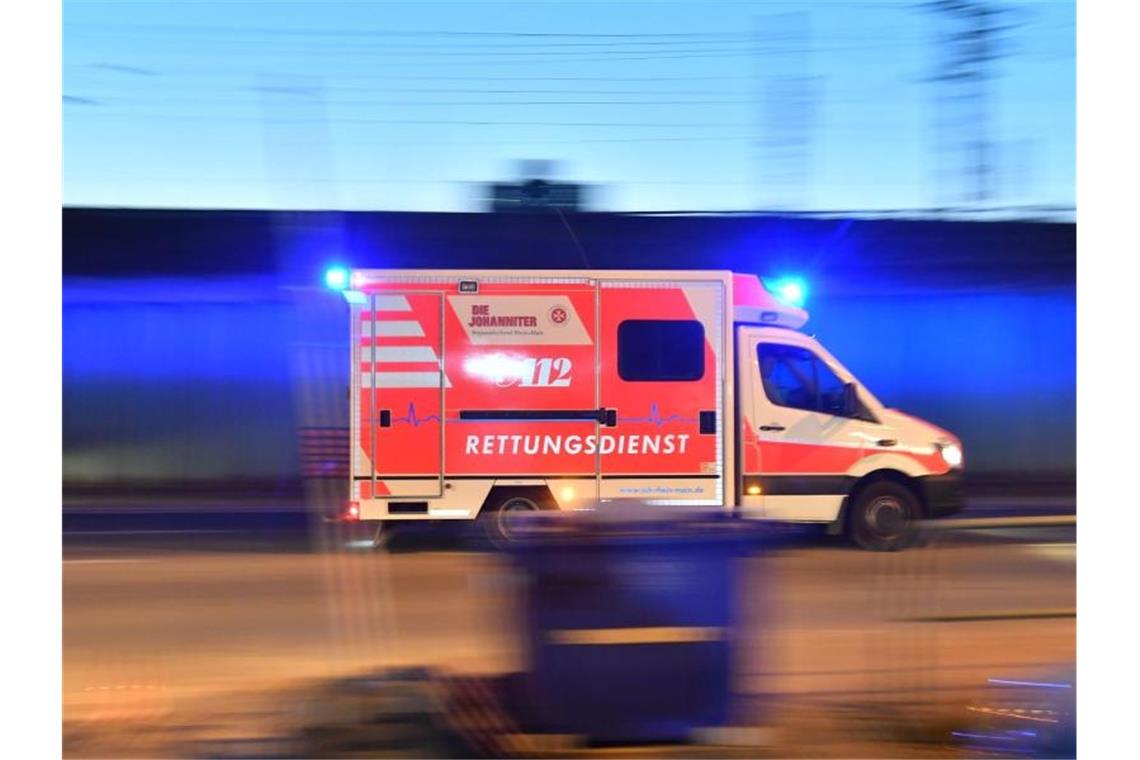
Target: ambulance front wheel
point(882, 516)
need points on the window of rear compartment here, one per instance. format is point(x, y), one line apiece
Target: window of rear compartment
point(661, 350)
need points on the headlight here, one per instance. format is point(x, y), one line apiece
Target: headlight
point(951, 454)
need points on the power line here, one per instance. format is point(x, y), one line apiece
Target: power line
point(332, 96)
point(433, 77)
point(316, 31)
point(440, 56)
point(442, 45)
point(150, 29)
point(425, 122)
point(637, 48)
point(286, 91)
point(197, 102)
point(867, 134)
point(397, 181)
point(539, 58)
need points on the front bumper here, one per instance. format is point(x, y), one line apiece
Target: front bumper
point(943, 494)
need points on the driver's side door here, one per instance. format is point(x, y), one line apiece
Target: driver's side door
point(807, 436)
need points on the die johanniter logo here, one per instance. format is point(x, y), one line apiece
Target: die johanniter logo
point(559, 315)
point(481, 317)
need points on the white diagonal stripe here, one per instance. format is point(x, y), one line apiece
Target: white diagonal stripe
point(391, 354)
point(393, 329)
point(401, 379)
point(392, 303)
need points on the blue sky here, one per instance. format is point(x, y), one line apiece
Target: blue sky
point(662, 106)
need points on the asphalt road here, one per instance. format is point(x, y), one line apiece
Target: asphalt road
point(196, 619)
point(155, 633)
point(116, 525)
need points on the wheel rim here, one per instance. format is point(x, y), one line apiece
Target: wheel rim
point(507, 517)
point(886, 517)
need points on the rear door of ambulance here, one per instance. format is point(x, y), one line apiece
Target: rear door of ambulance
point(398, 427)
point(662, 388)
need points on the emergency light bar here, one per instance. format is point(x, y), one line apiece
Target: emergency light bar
point(790, 291)
point(763, 303)
point(777, 302)
point(336, 278)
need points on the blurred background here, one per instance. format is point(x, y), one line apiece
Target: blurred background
point(969, 325)
point(912, 162)
point(848, 143)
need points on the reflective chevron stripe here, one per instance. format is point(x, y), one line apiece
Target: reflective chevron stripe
point(395, 354)
point(403, 380)
point(393, 329)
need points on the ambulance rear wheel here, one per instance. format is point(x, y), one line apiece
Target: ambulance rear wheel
point(500, 521)
point(882, 516)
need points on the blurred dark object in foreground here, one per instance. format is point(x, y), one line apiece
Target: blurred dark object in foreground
point(630, 617)
point(419, 712)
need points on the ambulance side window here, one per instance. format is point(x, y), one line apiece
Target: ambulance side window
point(795, 377)
point(788, 375)
point(831, 389)
point(661, 350)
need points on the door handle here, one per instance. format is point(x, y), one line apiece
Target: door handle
point(770, 428)
point(886, 442)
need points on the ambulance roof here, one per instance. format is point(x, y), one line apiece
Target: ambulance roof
point(753, 303)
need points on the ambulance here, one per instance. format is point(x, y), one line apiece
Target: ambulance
point(487, 394)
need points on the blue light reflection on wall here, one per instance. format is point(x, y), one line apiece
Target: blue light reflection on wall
point(182, 388)
point(998, 369)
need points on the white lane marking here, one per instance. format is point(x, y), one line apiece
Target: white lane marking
point(104, 561)
point(147, 532)
point(1056, 552)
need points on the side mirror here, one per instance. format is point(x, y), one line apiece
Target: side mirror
point(850, 400)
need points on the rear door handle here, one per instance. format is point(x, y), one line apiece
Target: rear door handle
point(771, 428)
point(886, 442)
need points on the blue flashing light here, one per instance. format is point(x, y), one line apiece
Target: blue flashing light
point(336, 278)
point(790, 291)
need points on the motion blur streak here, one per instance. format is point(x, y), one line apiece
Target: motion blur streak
point(906, 169)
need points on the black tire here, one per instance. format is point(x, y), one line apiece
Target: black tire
point(882, 516)
point(496, 520)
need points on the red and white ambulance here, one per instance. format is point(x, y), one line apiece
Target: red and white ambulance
point(479, 394)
